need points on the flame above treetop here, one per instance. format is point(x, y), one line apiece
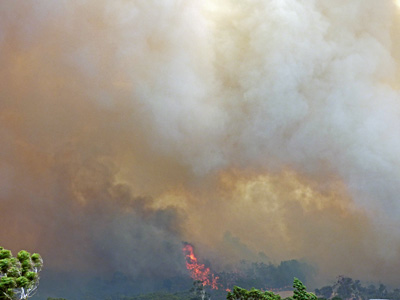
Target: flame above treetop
point(199, 271)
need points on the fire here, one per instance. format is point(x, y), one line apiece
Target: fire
point(199, 271)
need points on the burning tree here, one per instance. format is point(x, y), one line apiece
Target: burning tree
point(199, 291)
point(19, 276)
point(198, 271)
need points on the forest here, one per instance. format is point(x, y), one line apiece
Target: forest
point(19, 279)
point(345, 288)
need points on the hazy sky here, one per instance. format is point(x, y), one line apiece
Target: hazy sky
point(127, 127)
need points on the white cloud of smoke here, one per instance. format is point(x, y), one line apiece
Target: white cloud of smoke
point(139, 124)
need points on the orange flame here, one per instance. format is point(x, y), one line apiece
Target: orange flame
point(199, 271)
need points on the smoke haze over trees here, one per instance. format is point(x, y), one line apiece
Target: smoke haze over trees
point(242, 127)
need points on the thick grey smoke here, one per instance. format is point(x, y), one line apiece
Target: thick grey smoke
point(129, 126)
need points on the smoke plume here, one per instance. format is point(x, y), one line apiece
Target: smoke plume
point(128, 127)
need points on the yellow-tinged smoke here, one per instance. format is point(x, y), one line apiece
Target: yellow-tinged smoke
point(240, 126)
point(285, 216)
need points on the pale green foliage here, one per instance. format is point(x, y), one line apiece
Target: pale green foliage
point(19, 275)
point(239, 293)
point(299, 293)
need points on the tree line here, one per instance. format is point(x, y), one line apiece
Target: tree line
point(348, 288)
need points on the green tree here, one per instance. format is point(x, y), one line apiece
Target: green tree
point(300, 291)
point(242, 294)
point(19, 276)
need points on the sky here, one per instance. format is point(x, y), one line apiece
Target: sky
point(241, 127)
